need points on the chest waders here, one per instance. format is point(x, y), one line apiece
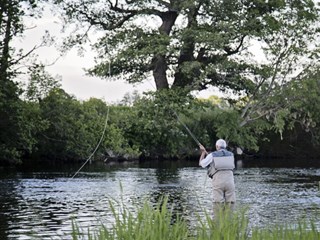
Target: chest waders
point(223, 163)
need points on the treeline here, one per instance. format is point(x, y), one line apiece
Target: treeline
point(273, 106)
point(57, 127)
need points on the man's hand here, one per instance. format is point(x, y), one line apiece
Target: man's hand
point(203, 153)
point(202, 148)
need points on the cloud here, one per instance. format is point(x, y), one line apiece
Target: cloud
point(71, 66)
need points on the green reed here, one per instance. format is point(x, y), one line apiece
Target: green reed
point(304, 230)
point(225, 225)
point(149, 222)
point(160, 223)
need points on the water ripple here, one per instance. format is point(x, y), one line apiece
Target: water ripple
point(44, 205)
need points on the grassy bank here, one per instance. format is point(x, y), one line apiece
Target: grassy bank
point(159, 223)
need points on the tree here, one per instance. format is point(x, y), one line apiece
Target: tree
point(18, 120)
point(114, 143)
point(40, 83)
point(154, 127)
point(75, 130)
point(12, 16)
point(11, 108)
point(305, 109)
point(251, 49)
point(196, 44)
point(65, 136)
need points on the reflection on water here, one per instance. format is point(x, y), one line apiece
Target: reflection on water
point(42, 205)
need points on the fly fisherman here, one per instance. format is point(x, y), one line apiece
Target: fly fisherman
point(220, 165)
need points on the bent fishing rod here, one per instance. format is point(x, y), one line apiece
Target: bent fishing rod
point(183, 124)
point(188, 130)
point(186, 127)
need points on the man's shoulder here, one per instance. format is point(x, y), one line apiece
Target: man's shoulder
point(221, 153)
point(228, 153)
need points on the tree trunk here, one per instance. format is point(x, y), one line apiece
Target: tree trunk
point(159, 72)
point(181, 78)
point(4, 59)
point(159, 63)
point(186, 55)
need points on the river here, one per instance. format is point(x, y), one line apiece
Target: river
point(43, 203)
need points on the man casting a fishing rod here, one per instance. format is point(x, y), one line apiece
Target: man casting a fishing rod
point(220, 164)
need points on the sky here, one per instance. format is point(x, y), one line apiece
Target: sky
point(71, 65)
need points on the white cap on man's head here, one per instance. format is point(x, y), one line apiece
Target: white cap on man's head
point(221, 143)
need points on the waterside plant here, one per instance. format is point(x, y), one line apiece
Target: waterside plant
point(160, 223)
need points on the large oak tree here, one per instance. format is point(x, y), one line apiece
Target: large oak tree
point(248, 47)
point(195, 43)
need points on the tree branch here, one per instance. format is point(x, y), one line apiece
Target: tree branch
point(229, 51)
point(258, 104)
point(166, 4)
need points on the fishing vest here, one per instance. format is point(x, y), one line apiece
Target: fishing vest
point(223, 163)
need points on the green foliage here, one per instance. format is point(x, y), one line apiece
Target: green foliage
point(64, 137)
point(19, 121)
point(20, 125)
point(157, 124)
point(9, 109)
point(59, 127)
point(215, 118)
point(74, 129)
point(32, 125)
point(154, 223)
point(302, 230)
point(40, 83)
point(114, 143)
point(255, 50)
point(225, 225)
point(152, 123)
point(56, 126)
point(196, 44)
point(305, 109)
point(159, 222)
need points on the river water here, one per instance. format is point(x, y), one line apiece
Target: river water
point(43, 204)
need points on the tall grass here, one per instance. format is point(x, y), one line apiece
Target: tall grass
point(225, 225)
point(160, 223)
point(304, 230)
point(156, 223)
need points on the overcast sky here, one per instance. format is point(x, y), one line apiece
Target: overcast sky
point(71, 66)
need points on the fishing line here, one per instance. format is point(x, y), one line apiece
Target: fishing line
point(102, 136)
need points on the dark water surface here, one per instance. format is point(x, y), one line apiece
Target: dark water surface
point(42, 204)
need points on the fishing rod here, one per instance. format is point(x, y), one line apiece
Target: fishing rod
point(183, 124)
point(188, 130)
point(102, 136)
point(186, 127)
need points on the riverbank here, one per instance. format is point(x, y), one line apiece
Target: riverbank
point(158, 222)
point(240, 161)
